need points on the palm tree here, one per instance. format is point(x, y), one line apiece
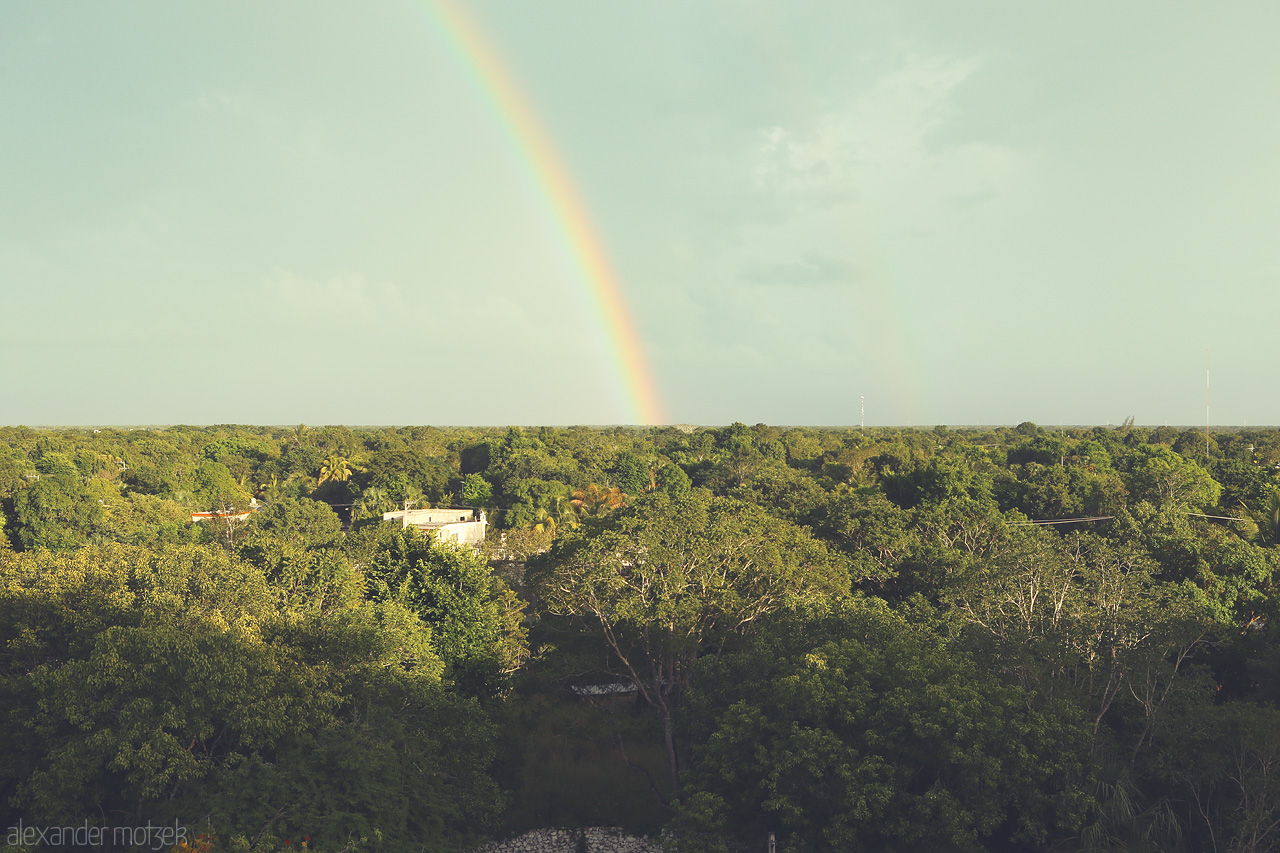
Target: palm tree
point(1267, 517)
point(544, 522)
point(268, 491)
point(555, 512)
point(561, 510)
point(595, 501)
point(373, 503)
point(336, 468)
point(304, 483)
point(1122, 819)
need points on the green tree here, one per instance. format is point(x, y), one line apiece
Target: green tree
point(673, 480)
point(296, 543)
point(784, 492)
point(663, 582)
point(1224, 765)
point(57, 512)
point(235, 445)
point(475, 619)
point(939, 480)
point(1244, 482)
point(849, 728)
point(1042, 450)
point(1231, 578)
point(309, 522)
point(216, 490)
point(632, 474)
point(476, 491)
point(1160, 476)
point(532, 501)
point(875, 532)
point(142, 685)
point(1082, 621)
point(295, 461)
point(142, 519)
point(57, 464)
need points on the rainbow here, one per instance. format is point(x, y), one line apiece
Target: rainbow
point(532, 147)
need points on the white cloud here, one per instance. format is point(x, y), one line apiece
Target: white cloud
point(857, 219)
point(883, 145)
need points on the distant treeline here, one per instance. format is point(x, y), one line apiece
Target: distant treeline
point(1005, 639)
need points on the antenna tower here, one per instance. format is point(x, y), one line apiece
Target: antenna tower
point(1206, 406)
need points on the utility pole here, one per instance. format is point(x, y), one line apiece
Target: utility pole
point(862, 415)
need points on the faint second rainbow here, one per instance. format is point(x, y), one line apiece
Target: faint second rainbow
point(601, 287)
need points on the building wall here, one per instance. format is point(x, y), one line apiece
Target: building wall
point(462, 532)
point(422, 517)
point(464, 526)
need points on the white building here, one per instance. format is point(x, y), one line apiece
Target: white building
point(464, 526)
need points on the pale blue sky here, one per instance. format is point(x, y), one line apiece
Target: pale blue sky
point(965, 212)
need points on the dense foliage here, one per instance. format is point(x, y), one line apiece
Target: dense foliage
point(1010, 639)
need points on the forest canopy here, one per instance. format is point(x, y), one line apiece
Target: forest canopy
point(1004, 639)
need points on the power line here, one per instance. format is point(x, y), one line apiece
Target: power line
point(1109, 517)
point(1065, 520)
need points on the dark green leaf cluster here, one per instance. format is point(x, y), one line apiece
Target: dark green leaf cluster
point(170, 684)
